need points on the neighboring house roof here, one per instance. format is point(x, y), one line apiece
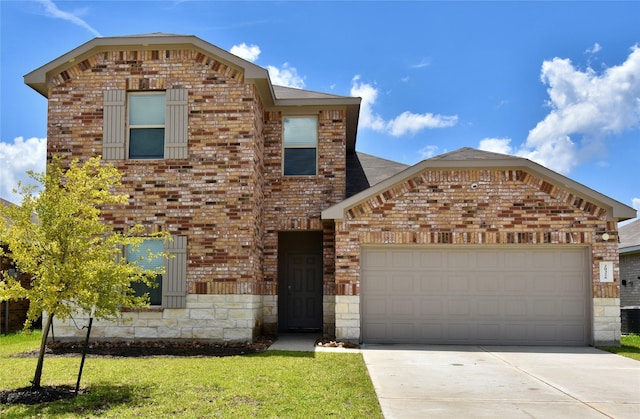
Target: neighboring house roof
point(466, 158)
point(629, 237)
point(272, 96)
point(5, 202)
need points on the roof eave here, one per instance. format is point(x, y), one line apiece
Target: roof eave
point(38, 79)
point(629, 249)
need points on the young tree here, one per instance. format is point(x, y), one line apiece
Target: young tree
point(73, 257)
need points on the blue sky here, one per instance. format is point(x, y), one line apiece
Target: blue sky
point(556, 82)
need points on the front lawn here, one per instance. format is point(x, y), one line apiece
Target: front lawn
point(271, 384)
point(629, 347)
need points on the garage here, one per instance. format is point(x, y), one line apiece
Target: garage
point(501, 295)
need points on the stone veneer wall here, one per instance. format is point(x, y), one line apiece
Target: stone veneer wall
point(207, 317)
point(507, 207)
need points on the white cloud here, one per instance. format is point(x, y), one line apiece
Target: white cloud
point(285, 76)
point(586, 108)
point(425, 62)
point(406, 122)
point(52, 11)
point(635, 203)
point(247, 52)
point(595, 49)
point(496, 145)
point(16, 159)
point(428, 151)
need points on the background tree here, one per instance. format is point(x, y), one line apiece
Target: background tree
point(57, 237)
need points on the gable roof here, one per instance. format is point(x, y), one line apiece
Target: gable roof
point(365, 170)
point(467, 158)
point(629, 237)
point(272, 96)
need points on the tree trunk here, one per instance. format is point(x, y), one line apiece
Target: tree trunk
point(35, 383)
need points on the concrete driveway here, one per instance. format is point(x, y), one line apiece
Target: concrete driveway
point(503, 382)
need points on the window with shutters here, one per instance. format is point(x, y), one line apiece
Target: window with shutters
point(171, 287)
point(139, 256)
point(300, 141)
point(145, 125)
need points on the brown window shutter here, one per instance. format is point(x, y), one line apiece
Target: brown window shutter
point(174, 280)
point(113, 130)
point(176, 121)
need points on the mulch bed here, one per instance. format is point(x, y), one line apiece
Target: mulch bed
point(36, 395)
point(154, 348)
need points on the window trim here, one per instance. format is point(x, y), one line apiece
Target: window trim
point(315, 147)
point(129, 126)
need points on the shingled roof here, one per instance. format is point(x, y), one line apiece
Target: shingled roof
point(629, 237)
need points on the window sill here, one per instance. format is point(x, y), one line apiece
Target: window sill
point(152, 309)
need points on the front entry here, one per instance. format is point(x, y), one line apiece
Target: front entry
point(300, 281)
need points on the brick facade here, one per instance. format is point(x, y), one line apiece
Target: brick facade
point(229, 197)
point(471, 207)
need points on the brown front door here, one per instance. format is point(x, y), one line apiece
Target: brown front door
point(300, 290)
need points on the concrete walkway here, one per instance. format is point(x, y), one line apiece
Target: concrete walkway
point(414, 381)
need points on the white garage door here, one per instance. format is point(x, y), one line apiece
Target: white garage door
point(493, 296)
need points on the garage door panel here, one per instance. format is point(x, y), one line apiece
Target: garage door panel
point(489, 260)
point(401, 331)
point(403, 307)
point(431, 307)
point(516, 281)
point(376, 307)
point(458, 281)
point(488, 308)
point(432, 260)
point(515, 259)
point(572, 283)
point(401, 283)
point(515, 308)
point(488, 282)
point(488, 296)
point(458, 307)
point(432, 282)
point(402, 260)
point(377, 283)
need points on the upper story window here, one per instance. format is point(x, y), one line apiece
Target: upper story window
point(146, 125)
point(300, 139)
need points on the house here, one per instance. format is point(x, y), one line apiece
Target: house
point(13, 313)
point(279, 225)
point(629, 248)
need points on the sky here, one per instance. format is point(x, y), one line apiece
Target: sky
point(557, 82)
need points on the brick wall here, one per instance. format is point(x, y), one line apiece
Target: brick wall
point(229, 196)
point(507, 207)
point(215, 196)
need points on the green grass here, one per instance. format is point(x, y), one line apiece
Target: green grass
point(629, 347)
point(272, 384)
